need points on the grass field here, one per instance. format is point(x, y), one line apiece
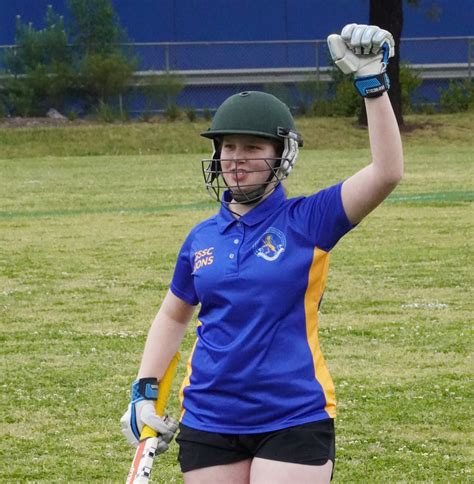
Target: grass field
point(91, 220)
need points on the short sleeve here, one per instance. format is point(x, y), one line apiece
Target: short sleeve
point(322, 217)
point(182, 283)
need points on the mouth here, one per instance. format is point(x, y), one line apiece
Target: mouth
point(238, 176)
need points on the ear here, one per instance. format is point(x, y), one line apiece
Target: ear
point(279, 147)
point(216, 145)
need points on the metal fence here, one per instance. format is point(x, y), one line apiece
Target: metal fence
point(211, 71)
point(188, 56)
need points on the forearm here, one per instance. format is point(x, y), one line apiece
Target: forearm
point(385, 141)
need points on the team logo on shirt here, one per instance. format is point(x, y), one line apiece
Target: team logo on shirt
point(270, 245)
point(204, 257)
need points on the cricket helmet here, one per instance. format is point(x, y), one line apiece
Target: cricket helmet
point(258, 114)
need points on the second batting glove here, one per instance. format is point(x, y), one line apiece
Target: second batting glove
point(141, 411)
point(364, 51)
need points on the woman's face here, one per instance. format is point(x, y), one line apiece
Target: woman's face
point(247, 161)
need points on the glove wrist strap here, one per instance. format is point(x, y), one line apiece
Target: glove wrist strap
point(145, 388)
point(372, 86)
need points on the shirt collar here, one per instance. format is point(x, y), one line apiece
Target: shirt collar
point(260, 212)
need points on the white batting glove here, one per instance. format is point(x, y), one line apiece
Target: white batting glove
point(141, 411)
point(364, 50)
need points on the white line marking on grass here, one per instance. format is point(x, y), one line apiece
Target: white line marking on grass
point(428, 305)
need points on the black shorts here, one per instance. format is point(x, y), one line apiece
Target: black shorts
point(310, 444)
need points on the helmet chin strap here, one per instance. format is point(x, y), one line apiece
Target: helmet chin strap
point(249, 198)
point(253, 197)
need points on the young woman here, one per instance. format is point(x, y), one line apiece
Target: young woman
point(258, 401)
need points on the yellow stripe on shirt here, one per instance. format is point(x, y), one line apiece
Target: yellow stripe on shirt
point(316, 283)
point(189, 370)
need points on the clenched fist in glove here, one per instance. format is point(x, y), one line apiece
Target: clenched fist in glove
point(364, 50)
point(141, 411)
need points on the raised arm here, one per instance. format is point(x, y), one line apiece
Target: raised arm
point(364, 51)
point(365, 190)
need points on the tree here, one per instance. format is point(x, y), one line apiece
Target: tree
point(104, 69)
point(388, 15)
point(42, 70)
point(95, 28)
point(38, 71)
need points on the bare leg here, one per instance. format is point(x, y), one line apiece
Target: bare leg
point(237, 473)
point(265, 471)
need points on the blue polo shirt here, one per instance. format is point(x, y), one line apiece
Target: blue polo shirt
point(256, 365)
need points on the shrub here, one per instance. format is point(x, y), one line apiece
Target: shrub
point(322, 107)
point(410, 81)
point(191, 114)
point(162, 90)
point(107, 113)
point(145, 117)
point(315, 98)
point(172, 112)
point(425, 107)
point(457, 97)
point(346, 101)
point(338, 99)
point(72, 114)
point(3, 111)
point(20, 99)
point(104, 76)
point(279, 90)
point(309, 93)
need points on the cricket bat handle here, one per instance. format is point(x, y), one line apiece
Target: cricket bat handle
point(143, 461)
point(164, 388)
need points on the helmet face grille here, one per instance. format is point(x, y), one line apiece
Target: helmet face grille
point(257, 114)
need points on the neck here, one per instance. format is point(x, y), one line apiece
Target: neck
point(240, 209)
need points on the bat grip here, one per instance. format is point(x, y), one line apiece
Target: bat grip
point(164, 388)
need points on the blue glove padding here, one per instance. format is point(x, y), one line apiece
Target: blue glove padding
point(141, 411)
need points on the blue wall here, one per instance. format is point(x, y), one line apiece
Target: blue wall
point(192, 20)
point(234, 20)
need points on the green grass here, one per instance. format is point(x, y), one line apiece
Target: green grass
point(137, 139)
point(91, 220)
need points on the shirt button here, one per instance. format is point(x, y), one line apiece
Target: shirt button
point(236, 241)
point(231, 255)
point(239, 224)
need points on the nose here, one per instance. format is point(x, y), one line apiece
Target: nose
point(238, 155)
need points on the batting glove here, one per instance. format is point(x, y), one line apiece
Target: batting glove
point(141, 411)
point(364, 50)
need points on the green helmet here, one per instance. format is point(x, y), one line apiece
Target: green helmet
point(252, 112)
point(258, 114)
